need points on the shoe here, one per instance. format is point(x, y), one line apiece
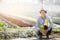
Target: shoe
point(47, 36)
point(40, 37)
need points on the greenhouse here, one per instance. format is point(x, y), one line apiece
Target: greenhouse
point(18, 18)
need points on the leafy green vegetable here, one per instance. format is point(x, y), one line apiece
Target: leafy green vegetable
point(1, 24)
point(1, 28)
point(41, 27)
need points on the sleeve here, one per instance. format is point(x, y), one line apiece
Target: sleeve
point(37, 24)
point(51, 23)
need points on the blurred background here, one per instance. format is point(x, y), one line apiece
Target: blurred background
point(29, 10)
point(29, 7)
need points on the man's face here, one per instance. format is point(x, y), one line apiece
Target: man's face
point(43, 13)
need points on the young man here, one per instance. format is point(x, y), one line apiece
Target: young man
point(44, 24)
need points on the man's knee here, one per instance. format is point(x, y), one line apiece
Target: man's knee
point(39, 33)
point(49, 32)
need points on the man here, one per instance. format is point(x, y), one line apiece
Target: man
point(44, 24)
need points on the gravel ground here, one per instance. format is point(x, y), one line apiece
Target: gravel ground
point(52, 37)
point(35, 39)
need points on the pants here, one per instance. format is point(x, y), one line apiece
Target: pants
point(48, 33)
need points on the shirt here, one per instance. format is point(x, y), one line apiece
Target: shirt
point(40, 21)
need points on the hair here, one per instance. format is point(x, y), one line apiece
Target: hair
point(43, 10)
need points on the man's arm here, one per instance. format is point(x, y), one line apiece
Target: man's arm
point(51, 23)
point(37, 24)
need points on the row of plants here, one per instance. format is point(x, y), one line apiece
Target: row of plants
point(13, 32)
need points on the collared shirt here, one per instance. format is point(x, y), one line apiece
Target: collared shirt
point(40, 21)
